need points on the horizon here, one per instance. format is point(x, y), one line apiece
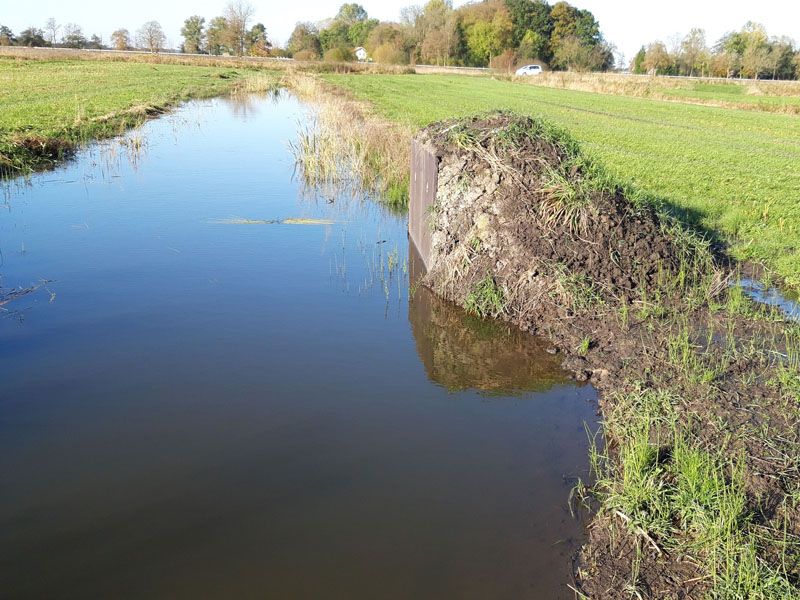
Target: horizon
point(624, 24)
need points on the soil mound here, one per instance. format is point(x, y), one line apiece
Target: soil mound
point(521, 213)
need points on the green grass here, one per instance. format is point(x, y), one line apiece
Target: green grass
point(732, 172)
point(678, 496)
point(734, 93)
point(75, 101)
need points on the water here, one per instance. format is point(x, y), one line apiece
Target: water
point(192, 407)
point(772, 296)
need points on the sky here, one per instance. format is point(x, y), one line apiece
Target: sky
point(628, 24)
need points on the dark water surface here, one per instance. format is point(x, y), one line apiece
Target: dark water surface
point(194, 407)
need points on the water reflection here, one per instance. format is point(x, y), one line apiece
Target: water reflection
point(462, 352)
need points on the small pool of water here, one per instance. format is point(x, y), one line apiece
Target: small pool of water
point(219, 388)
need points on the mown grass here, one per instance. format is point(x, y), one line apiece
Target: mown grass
point(48, 107)
point(731, 172)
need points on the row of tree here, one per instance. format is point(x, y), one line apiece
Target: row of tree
point(149, 36)
point(497, 32)
point(230, 33)
point(749, 53)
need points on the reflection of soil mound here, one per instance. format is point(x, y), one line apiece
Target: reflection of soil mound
point(462, 352)
point(517, 201)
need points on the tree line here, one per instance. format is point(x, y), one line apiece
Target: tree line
point(500, 33)
point(749, 52)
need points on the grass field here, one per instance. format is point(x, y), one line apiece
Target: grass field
point(74, 101)
point(732, 172)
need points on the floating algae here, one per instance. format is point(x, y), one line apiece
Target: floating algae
point(273, 222)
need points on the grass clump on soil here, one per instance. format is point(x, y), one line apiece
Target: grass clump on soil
point(699, 482)
point(48, 108)
point(486, 299)
point(730, 172)
point(678, 496)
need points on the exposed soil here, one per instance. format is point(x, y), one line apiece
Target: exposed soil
point(611, 282)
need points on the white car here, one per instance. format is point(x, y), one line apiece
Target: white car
point(529, 70)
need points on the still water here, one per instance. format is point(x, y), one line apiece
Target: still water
point(220, 388)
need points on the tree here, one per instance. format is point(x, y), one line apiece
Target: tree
point(73, 36)
point(575, 55)
point(216, 36)
point(487, 30)
point(305, 38)
point(754, 60)
point(32, 37)
point(352, 13)
point(638, 62)
point(95, 42)
point(657, 59)
point(238, 14)
point(121, 39)
point(533, 26)
point(193, 34)
point(151, 37)
point(257, 42)
point(693, 51)
point(51, 30)
point(6, 36)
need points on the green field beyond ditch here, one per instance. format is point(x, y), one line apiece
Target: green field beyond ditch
point(736, 173)
point(78, 100)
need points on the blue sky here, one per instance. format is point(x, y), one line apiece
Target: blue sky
point(626, 23)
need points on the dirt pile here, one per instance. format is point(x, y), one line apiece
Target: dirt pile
point(520, 205)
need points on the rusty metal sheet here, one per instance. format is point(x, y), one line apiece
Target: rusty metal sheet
point(422, 195)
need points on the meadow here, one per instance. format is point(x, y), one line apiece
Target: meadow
point(731, 172)
point(50, 106)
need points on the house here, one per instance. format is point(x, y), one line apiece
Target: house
point(361, 54)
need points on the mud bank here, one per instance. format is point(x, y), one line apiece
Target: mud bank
point(698, 483)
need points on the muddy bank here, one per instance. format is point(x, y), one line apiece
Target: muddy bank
point(698, 485)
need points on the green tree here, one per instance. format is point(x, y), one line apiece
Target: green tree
point(638, 62)
point(95, 42)
point(530, 17)
point(351, 13)
point(216, 36)
point(193, 32)
point(305, 39)
point(257, 42)
point(6, 36)
point(487, 30)
point(32, 37)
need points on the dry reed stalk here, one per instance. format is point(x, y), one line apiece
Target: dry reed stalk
point(348, 143)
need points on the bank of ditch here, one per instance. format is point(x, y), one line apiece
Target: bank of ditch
point(697, 489)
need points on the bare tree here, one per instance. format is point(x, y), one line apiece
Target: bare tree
point(238, 15)
point(51, 30)
point(151, 37)
point(121, 39)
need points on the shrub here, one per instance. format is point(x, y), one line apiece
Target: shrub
point(340, 54)
point(389, 54)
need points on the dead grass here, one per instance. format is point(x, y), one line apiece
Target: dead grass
point(348, 145)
